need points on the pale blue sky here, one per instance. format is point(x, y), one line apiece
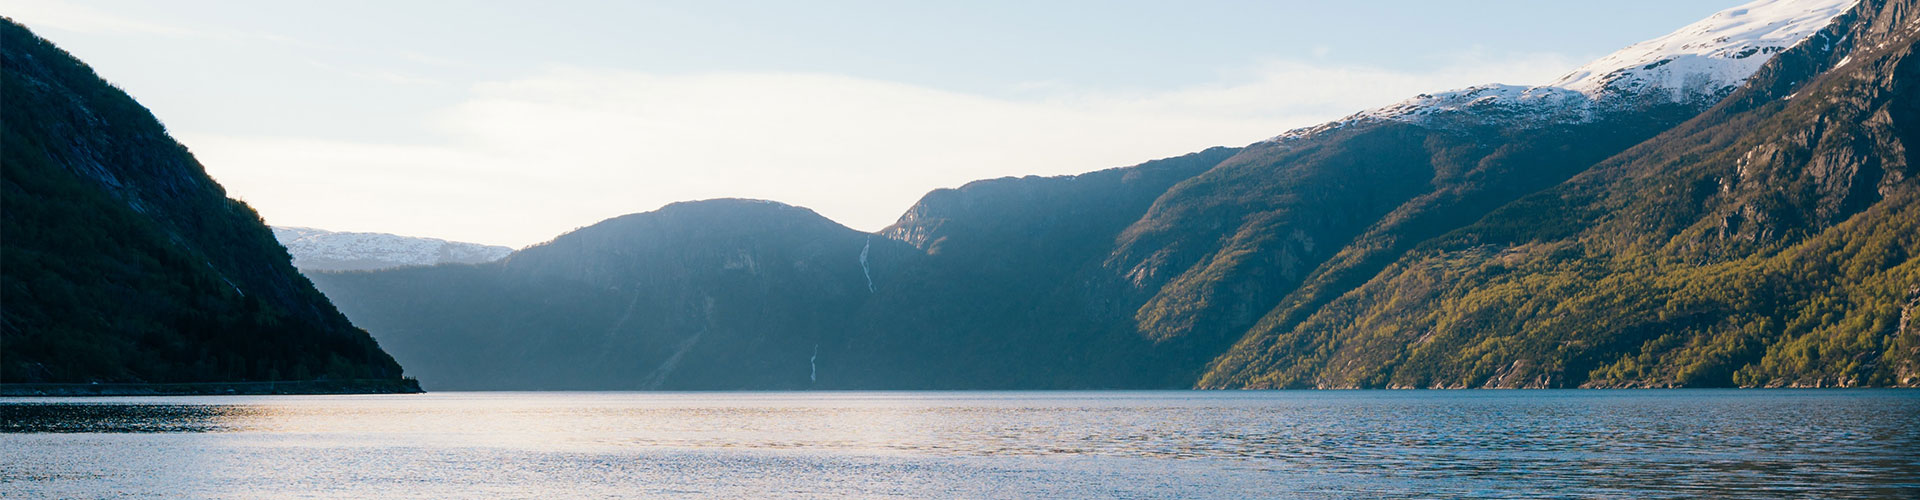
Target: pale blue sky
point(511, 122)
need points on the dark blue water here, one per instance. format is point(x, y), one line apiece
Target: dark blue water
point(1333, 444)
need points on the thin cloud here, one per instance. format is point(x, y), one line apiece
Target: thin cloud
point(82, 19)
point(524, 160)
point(67, 16)
point(374, 75)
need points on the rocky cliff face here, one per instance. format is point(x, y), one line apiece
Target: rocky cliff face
point(124, 262)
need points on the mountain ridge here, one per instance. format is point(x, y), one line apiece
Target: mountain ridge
point(125, 263)
point(1682, 336)
point(1697, 65)
point(1246, 267)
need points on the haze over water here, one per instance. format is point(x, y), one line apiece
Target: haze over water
point(1684, 443)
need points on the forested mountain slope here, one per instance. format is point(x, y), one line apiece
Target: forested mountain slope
point(1724, 205)
point(121, 261)
point(1770, 241)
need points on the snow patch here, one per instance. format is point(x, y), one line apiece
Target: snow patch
point(1722, 50)
point(330, 250)
point(1699, 63)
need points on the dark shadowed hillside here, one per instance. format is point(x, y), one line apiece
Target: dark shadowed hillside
point(750, 294)
point(121, 261)
point(717, 294)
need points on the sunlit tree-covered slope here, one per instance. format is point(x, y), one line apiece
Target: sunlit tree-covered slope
point(1769, 242)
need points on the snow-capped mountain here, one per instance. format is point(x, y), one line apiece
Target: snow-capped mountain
point(1372, 256)
point(1698, 65)
point(322, 250)
point(1709, 57)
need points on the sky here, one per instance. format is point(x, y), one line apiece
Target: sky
point(511, 123)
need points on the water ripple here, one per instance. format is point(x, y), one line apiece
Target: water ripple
point(1829, 444)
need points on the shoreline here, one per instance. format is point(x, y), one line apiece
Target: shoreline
point(364, 386)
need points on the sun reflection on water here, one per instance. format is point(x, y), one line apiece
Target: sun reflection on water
point(1836, 444)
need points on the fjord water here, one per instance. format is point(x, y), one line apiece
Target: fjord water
point(1330, 444)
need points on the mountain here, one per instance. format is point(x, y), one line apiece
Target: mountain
point(708, 295)
point(1768, 242)
point(1012, 291)
point(1436, 242)
point(1699, 64)
point(1290, 224)
point(124, 262)
point(322, 250)
point(761, 295)
point(730, 294)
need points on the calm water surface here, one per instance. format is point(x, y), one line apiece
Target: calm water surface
point(1336, 444)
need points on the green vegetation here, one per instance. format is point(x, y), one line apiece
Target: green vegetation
point(1769, 242)
point(123, 262)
